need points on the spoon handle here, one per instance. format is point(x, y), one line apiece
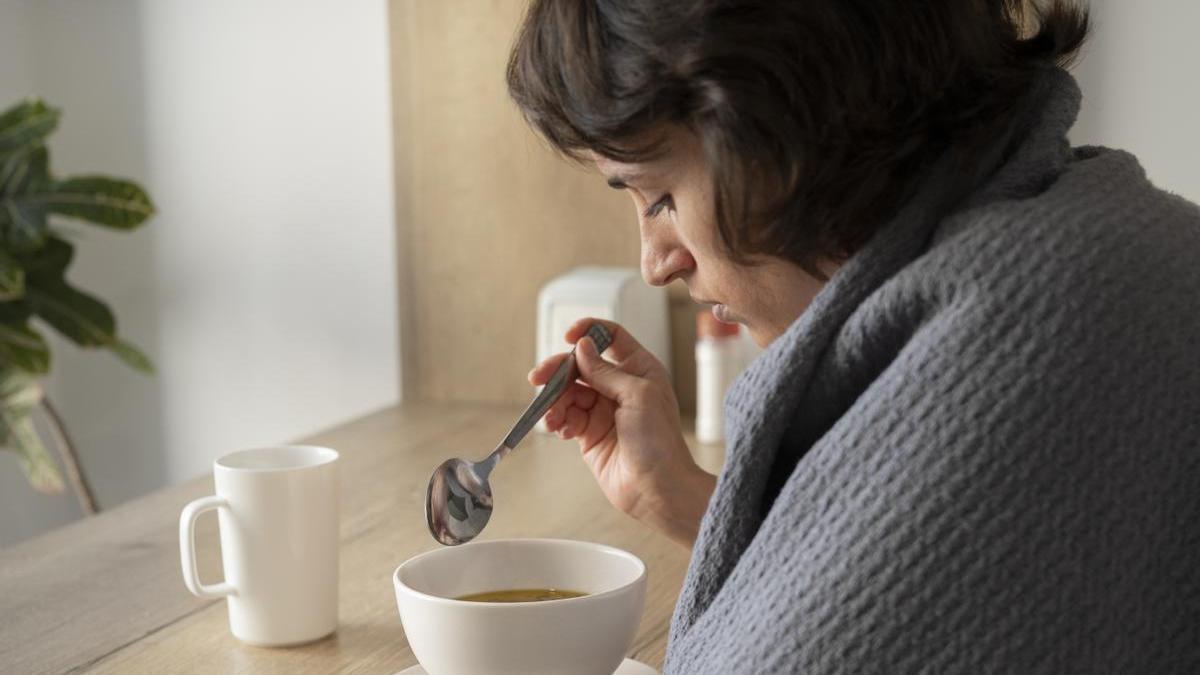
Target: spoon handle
point(555, 386)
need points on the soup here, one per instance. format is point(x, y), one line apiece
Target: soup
point(522, 595)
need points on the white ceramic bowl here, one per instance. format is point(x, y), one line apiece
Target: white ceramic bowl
point(588, 635)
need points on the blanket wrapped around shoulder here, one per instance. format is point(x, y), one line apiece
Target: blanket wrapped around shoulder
point(978, 450)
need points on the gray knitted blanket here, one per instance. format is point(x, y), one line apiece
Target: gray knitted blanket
point(984, 436)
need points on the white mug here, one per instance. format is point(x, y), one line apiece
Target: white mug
point(278, 513)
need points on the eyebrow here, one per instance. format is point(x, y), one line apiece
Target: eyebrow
point(622, 180)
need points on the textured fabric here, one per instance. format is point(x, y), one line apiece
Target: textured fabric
point(988, 426)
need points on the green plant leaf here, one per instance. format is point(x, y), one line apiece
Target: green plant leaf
point(81, 317)
point(16, 312)
point(84, 319)
point(20, 393)
point(24, 349)
point(12, 278)
point(25, 170)
point(25, 123)
point(23, 174)
point(132, 356)
point(104, 201)
point(49, 262)
point(22, 223)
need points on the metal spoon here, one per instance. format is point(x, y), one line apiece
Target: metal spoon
point(459, 501)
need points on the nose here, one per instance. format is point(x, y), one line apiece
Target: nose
point(663, 261)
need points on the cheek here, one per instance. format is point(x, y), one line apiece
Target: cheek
point(742, 296)
point(697, 231)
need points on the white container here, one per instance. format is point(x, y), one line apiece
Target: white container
point(720, 358)
point(615, 293)
point(278, 513)
point(587, 635)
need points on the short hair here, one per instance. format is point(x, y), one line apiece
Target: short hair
point(817, 117)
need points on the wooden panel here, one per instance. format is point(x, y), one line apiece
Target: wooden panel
point(105, 594)
point(486, 212)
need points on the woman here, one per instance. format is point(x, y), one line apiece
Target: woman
point(972, 442)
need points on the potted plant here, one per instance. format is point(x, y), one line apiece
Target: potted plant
point(34, 291)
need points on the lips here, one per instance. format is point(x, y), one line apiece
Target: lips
point(720, 311)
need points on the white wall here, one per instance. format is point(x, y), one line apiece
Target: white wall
point(265, 289)
point(1141, 84)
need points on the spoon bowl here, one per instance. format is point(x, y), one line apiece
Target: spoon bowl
point(459, 502)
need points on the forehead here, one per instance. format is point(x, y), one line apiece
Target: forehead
point(613, 169)
point(675, 147)
point(622, 174)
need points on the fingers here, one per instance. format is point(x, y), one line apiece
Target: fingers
point(588, 426)
point(598, 377)
point(576, 396)
point(604, 377)
point(628, 354)
point(585, 397)
point(569, 419)
point(541, 372)
point(625, 350)
point(599, 423)
point(554, 420)
point(575, 422)
point(623, 343)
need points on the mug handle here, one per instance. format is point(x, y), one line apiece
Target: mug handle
point(187, 548)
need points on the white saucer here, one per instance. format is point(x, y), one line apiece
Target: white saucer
point(628, 667)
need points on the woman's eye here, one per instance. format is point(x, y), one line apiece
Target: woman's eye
point(657, 207)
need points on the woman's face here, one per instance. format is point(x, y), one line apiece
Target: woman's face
point(677, 218)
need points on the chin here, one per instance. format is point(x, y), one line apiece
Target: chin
point(758, 333)
point(761, 339)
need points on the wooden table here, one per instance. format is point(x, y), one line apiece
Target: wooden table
point(105, 594)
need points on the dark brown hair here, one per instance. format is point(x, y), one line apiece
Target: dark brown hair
point(817, 117)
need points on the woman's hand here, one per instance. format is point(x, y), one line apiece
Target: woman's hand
point(626, 419)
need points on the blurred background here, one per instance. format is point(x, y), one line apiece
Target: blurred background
point(350, 213)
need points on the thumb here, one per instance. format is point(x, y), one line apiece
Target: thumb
point(604, 377)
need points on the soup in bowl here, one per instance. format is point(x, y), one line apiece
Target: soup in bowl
point(521, 607)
